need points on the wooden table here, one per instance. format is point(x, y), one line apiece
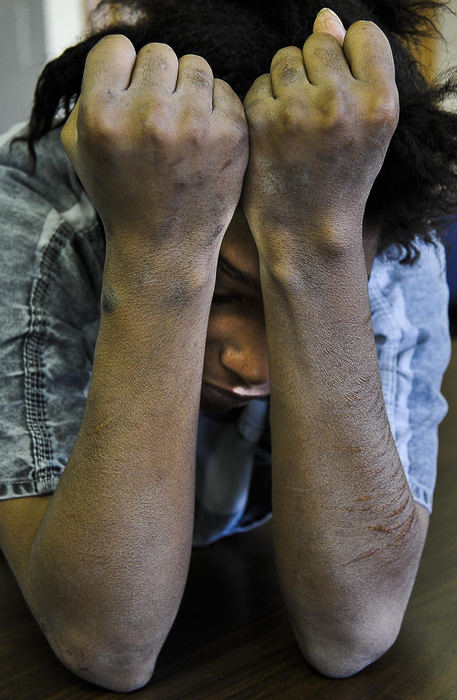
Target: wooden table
point(232, 639)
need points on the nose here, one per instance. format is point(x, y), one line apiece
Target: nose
point(247, 360)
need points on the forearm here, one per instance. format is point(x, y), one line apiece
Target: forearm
point(346, 533)
point(109, 563)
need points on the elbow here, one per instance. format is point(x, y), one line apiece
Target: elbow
point(120, 680)
point(341, 656)
point(115, 672)
point(341, 663)
point(119, 669)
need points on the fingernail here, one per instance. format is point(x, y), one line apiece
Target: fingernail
point(328, 15)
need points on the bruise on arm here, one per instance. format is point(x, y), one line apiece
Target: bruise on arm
point(110, 299)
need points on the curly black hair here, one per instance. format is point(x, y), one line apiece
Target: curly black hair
point(415, 192)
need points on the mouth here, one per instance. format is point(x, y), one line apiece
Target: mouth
point(214, 398)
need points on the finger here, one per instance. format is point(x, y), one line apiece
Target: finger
point(324, 59)
point(156, 67)
point(287, 71)
point(329, 22)
point(369, 53)
point(195, 78)
point(108, 66)
point(227, 103)
point(260, 90)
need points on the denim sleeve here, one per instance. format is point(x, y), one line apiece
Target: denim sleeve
point(409, 306)
point(52, 256)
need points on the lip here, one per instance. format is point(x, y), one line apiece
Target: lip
point(221, 398)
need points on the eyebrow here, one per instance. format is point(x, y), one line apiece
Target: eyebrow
point(235, 273)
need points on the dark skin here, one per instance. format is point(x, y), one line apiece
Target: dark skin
point(340, 496)
point(236, 356)
point(181, 171)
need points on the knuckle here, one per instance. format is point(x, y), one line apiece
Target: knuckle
point(285, 56)
point(233, 135)
point(320, 42)
point(218, 82)
point(201, 79)
point(384, 110)
point(230, 93)
point(293, 117)
point(364, 25)
point(259, 121)
point(159, 54)
point(156, 127)
point(255, 94)
point(157, 46)
point(94, 126)
point(110, 40)
point(320, 50)
point(287, 74)
point(200, 73)
point(284, 64)
point(190, 127)
point(337, 106)
point(262, 81)
point(324, 55)
point(195, 131)
point(367, 33)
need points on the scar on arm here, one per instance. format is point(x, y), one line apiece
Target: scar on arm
point(110, 300)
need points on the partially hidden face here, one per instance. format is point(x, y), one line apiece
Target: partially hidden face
point(235, 368)
point(236, 347)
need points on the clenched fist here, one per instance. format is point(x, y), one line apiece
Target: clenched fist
point(320, 124)
point(159, 145)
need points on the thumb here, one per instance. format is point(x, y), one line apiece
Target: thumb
point(329, 22)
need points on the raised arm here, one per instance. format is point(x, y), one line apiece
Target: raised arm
point(348, 535)
point(161, 149)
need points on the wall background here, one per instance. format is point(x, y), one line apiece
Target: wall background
point(64, 24)
point(31, 33)
point(22, 54)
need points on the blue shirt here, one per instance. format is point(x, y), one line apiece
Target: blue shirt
point(52, 260)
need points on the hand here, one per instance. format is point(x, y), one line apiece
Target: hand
point(157, 152)
point(319, 127)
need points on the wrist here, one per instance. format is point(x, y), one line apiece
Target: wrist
point(289, 254)
point(142, 274)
